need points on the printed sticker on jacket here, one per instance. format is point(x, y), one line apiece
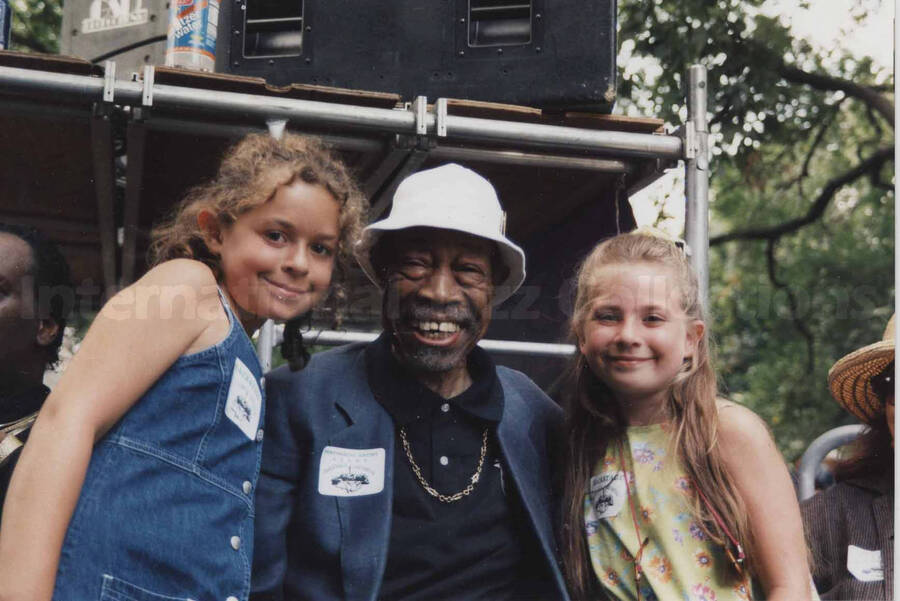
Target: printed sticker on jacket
point(351, 472)
point(244, 400)
point(607, 494)
point(865, 565)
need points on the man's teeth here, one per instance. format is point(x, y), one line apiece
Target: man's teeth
point(437, 326)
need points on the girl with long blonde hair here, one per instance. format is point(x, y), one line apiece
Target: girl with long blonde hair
point(669, 492)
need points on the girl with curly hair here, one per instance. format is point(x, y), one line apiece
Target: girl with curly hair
point(139, 476)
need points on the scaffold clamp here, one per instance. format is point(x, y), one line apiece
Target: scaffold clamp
point(440, 113)
point(147, 96)
point(109, 81)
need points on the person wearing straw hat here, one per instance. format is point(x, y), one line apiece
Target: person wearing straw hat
point(850, 526)
point(412, 467)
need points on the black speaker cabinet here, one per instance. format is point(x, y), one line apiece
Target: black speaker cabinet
point(556, 54)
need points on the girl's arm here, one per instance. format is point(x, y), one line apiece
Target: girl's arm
point(134, 339)
point(762, 480)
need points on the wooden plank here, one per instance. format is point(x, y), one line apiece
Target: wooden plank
point(257, 85)
point(49, 62)
point(524, 114)
point(643, 125)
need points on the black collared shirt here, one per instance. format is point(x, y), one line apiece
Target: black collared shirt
point(479, 547)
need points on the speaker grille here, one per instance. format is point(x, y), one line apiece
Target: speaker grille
point(500, 22)
point(273, 28)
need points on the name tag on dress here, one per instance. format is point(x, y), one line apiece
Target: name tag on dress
point(607, 494)
point(351, 472)
point(865, 565)
point(244, 400)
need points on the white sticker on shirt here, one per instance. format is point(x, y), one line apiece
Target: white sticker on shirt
point(351, 472)
point(865, 565)
point(244, 400)
point(607, 494)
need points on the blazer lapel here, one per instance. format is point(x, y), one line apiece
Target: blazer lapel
point(530, 471)
point(365, 520)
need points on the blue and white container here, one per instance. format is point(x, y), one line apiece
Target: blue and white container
point(191, 41)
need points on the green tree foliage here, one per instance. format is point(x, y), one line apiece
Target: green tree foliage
point(36, 25)
point(801, 195)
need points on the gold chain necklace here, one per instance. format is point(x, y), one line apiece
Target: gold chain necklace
point(428, 488)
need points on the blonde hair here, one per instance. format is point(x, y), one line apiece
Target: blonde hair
point(251, 172)
point(593, 418)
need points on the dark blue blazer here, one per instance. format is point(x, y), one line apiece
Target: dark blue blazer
point(329, 548)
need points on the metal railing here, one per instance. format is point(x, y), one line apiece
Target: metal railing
point(817, 451)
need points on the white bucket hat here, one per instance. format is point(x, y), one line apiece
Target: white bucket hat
point(449, 197)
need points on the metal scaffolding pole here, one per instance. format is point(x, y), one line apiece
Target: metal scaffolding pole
point(693, 147)
point(265, 342)
point(325, 114)
point(696, 149)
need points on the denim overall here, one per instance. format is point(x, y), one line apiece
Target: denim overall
point(166, 509)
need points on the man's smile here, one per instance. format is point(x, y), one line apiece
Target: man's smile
point(437, 333)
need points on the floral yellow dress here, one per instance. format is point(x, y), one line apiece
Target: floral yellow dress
point(679, 562)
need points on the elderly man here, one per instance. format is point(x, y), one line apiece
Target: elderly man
point(34, 278)
point(413, 468)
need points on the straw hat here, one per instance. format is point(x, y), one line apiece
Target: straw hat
point(849, 378)
point(448, 197)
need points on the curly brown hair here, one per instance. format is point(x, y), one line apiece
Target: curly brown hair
point(250, 173)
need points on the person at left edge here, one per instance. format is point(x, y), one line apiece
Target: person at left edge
point(412, 467)
point(35, 302)
point(137, 480)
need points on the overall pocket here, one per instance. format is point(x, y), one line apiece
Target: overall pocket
point(114, 589)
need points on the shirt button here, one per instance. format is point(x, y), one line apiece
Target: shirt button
point(444, 460)
point(259, 435)
point(262, 382)
point(445, 407)
point(247, 487)
point(235, 542)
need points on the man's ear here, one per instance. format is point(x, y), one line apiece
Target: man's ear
point(47, 332)
point(212, 230)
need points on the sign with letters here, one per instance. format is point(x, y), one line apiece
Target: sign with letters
point(104, 15)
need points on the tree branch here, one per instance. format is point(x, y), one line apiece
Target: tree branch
point(819, 81)
point(873, 163)
point(792, 304)
point(823, 127)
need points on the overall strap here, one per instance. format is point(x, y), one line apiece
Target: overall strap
point(11, 442)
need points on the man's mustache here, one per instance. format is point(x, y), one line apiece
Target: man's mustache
point(423, 310)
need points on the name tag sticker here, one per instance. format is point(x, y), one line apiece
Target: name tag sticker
point(865, 565)
point(351, 472)
point(607, 493)
point(244, 400)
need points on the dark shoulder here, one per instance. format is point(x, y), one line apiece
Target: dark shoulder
point(530, 392)
point(841, 494)
point(324, 365)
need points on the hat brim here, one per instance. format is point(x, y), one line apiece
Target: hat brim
point(510, 255)
point(849, 380)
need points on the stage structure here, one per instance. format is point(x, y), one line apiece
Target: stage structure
point(94, 161)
